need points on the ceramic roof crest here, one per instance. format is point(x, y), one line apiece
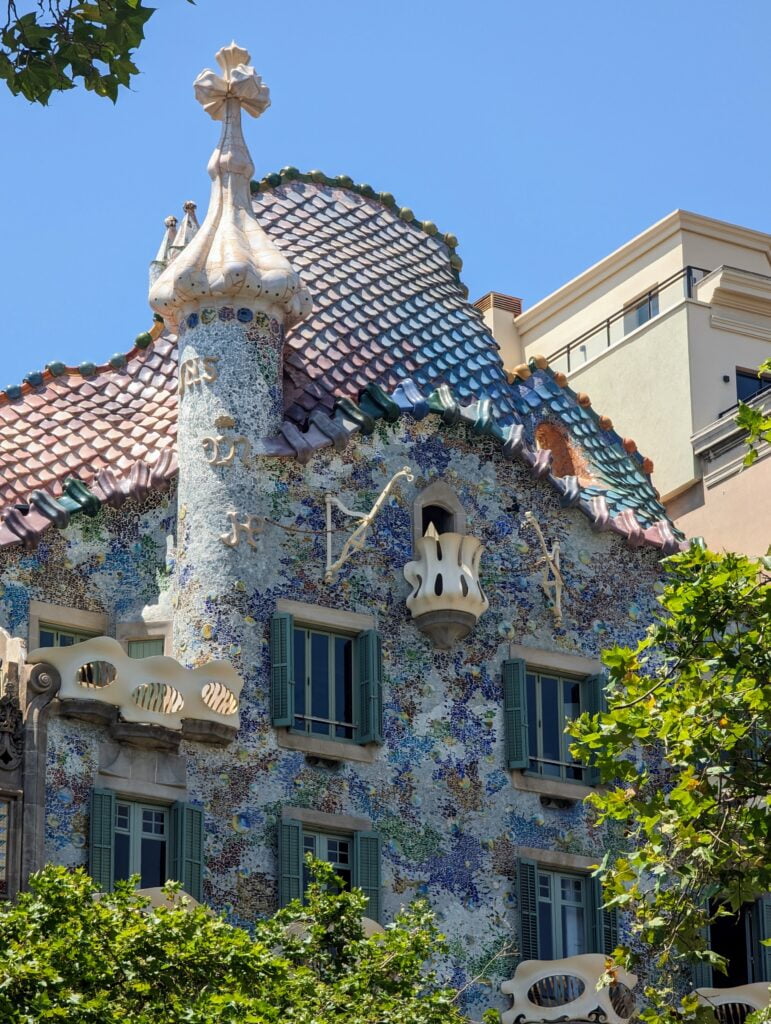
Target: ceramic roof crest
point(230, 258)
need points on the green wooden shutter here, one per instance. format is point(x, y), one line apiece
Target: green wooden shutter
point(593, 701)
point(282, 669)
point(527, 899)
point(701, 973)
point(514, 713)
point(367, 877)
point(603, 920)
point(368, 655)
point(187, 847)
point(290, 861)
point(102, 838)
point(762, 955)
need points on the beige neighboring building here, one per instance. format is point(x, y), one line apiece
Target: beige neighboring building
point(665, 335)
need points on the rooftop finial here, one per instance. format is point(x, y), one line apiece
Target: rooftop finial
point(162, 258)
point(230, 258)
point(187, 229)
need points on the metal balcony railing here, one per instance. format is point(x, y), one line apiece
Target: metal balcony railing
point(612, 329)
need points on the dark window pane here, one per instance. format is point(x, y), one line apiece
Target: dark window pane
point(545, 937)
point(345, 874)
point(552, 723)
point(299, 676)
point(66, 641)
point(320, 681)
point(749, 384)
point(532, 719)
point(573, 931)
point(153, 868)
point(344, 685)
point(122, 855)
point(47, 638)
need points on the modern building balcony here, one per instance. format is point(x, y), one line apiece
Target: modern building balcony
point(721, 444)
point(614, 328)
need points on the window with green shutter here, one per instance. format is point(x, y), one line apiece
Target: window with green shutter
point(156, 842)
point(145, 648)
point(324, 683)
point(355, 856)
point(537, 705)
point(561, 914)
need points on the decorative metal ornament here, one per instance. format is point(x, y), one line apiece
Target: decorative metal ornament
point(552, 582)
point(357, 539)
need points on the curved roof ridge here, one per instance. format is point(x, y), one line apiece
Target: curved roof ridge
point(386, 199)
point(36, 379)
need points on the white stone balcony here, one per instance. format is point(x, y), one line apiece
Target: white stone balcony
point(566, 990)
point(733, 1005)
point(447, 598)
point(98, 676)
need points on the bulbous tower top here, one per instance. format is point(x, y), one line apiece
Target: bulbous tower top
point(230, 259)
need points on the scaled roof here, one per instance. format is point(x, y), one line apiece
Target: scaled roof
point(391, 333)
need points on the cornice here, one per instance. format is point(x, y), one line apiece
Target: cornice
point(674, 223)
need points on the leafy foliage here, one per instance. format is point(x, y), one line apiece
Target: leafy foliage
point(686, 748)
point(49, 48)
point(72, 954)
point(757, 425)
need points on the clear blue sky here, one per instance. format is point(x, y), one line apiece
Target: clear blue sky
point(543, 134)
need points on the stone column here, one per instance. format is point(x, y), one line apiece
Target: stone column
point(230, 294)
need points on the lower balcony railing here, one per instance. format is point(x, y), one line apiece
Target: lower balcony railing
point(566, 990)
point(734, 1005)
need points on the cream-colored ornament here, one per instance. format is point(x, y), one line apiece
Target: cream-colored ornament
point(230, 260)
point(566, 990)
point(155, 690)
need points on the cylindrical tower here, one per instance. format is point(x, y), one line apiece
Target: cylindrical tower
point(230, 294)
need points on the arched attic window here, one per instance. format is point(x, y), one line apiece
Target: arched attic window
point(567, 458)
point(438, 506)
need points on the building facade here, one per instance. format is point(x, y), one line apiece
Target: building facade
point(301, 573)
point(666, 336)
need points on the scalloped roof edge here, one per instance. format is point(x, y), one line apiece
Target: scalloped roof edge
point(25, 527)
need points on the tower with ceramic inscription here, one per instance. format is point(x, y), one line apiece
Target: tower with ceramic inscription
point(230, 294)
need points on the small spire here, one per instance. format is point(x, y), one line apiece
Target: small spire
point(230, 258)
point(163, 257)
point(187, 229)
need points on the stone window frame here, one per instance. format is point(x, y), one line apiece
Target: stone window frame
point(67, 617)
point(346, 623)
point(567, 665)
point(440, 493)
point(139, 629)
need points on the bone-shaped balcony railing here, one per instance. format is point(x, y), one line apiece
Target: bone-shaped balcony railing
point(153, 691)
point(733, 1005)
point(566, 990)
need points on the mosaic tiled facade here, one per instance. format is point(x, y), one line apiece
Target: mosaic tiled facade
point(275, 409)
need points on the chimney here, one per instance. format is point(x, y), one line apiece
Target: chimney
point(499, 313)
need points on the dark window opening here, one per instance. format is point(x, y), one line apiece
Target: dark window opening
point(748, 384)
point(440, 518)
point(733, 938)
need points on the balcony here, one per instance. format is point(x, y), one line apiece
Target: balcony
point(615, 328)
point(551, 991)
point(733, 1005)
point(447, 598)
point(145, 701)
